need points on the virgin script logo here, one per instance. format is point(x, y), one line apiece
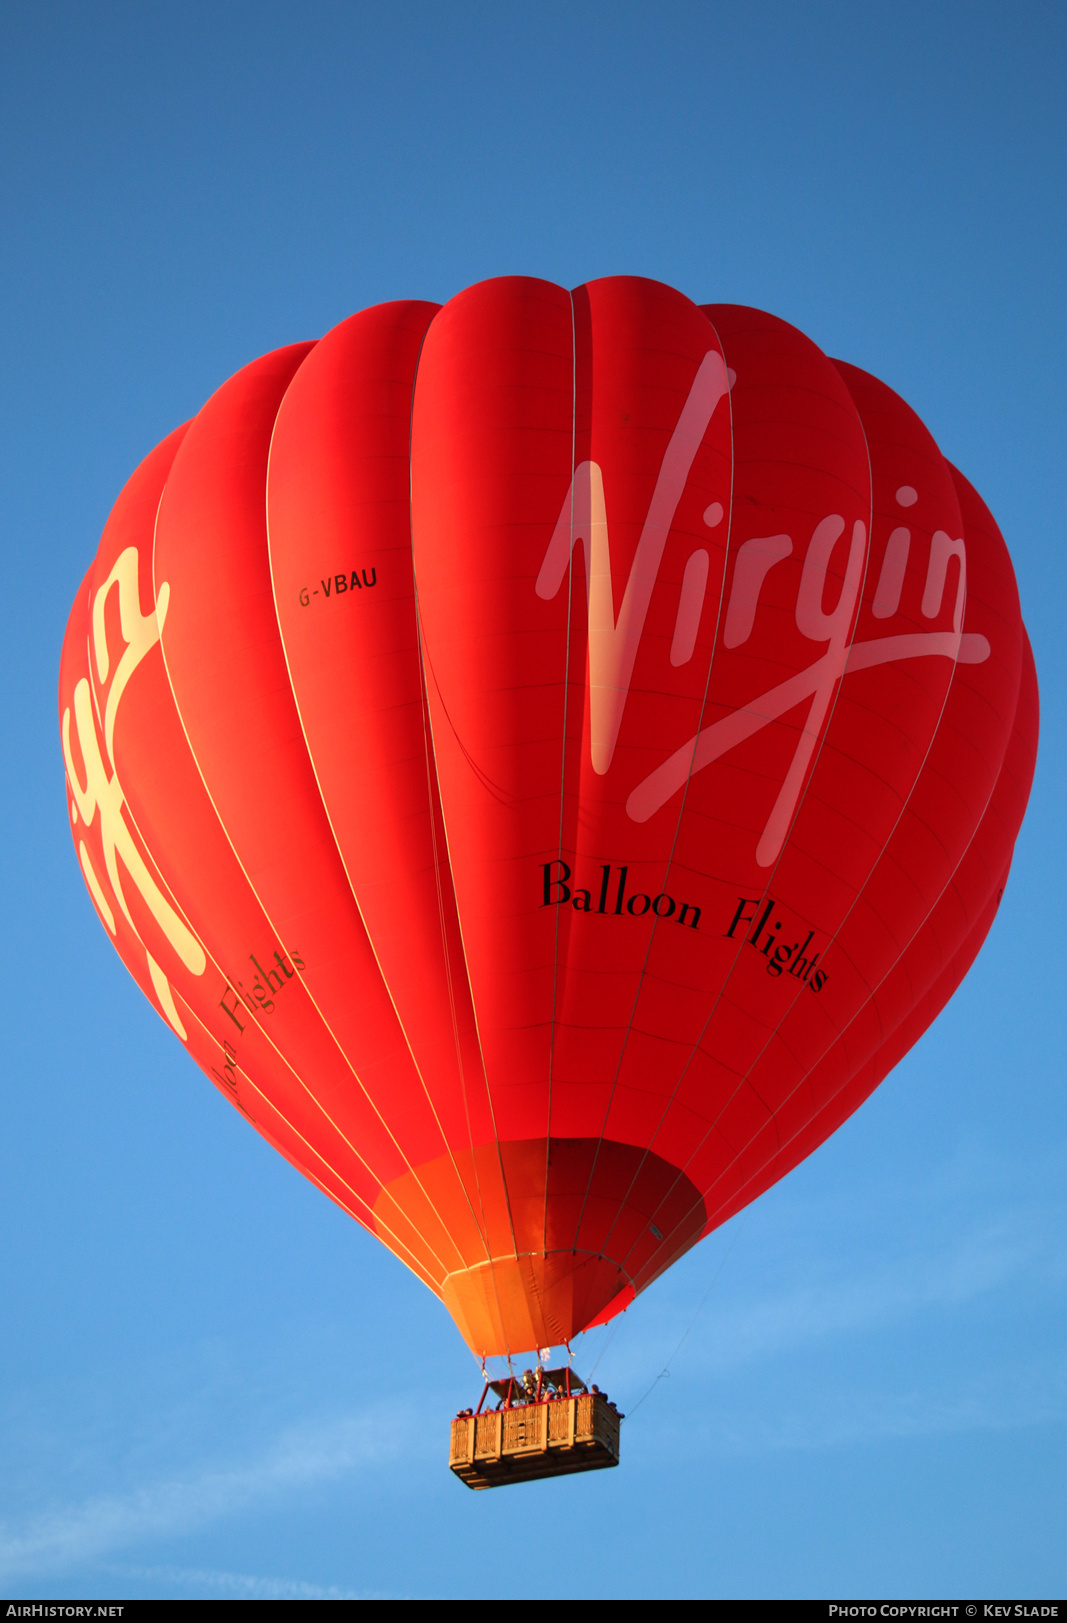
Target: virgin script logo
point(100, 794)
point(613, 644)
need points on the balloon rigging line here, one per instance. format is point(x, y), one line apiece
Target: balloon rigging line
point(324, 806)
point(873, 992)
point(165, 885)
point(374, 1105)
point(614, 1332)
point(430, 754)
point(693, 393)
point(563, 773)
point(678, 823)
point(666, 1370)
point(432, 782)
point(801, 801)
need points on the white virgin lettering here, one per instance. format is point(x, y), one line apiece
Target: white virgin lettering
point(98, 791)
point(613, 644)
point(583, 517)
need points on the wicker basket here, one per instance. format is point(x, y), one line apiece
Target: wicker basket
point(552, 1438)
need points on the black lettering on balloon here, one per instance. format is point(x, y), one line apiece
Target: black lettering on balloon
point(559, 884)
point(227, 1009)
point(741, 917)
point(795, 960)
point(269, 981)
point(556, 890)
point(339, 585)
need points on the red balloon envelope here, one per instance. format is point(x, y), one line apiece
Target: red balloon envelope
point(547, 758)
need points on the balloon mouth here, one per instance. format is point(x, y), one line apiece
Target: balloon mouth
point(546, 1237)
point(538, 1299)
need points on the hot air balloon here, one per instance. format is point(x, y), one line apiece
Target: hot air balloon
point(548, 757)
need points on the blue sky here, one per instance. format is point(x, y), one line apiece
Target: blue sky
point(212, 1383)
